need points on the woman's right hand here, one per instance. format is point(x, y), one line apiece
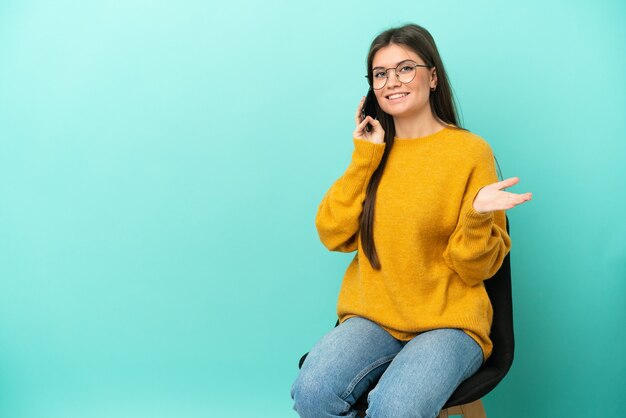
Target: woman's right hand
point(376, 135)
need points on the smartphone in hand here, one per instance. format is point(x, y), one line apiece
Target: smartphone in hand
point(370, 108)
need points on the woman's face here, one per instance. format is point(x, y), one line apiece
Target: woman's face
point(399, 99)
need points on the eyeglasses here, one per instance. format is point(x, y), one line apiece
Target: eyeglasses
point(405, 73)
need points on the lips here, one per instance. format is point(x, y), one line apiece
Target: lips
point(396, 96)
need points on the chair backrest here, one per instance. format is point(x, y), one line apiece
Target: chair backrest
point(498, 364)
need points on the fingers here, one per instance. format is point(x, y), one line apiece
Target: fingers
point(375, 135)
point(364, 122)
point(374, 122)
point(517, 199)
point(506, 183)
point(370, 120)
point(359, 132)
point(503, 201)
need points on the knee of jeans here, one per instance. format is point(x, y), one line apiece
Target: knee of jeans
point(313, 399)
point(391, 405)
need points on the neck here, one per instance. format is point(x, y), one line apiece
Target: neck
point(413, 126)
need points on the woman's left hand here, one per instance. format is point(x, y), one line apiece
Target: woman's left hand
point(492, 197)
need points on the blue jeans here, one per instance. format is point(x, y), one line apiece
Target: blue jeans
point(417, 377)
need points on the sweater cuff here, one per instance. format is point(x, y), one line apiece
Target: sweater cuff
point(368, 155)
point(477, 220)
point(367, 148)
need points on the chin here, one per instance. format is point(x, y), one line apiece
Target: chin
point(401, 112)
point(405, 111)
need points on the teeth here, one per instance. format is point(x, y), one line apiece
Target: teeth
point(398, 95)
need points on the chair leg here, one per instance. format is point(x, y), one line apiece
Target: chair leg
point(454, 410)
point(473, 410)
point(469, 410)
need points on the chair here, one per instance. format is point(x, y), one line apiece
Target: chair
point(466, 399)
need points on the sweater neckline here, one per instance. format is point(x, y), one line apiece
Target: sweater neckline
point(422, 138)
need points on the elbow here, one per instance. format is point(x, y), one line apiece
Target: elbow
point(473, 271)
point(339, 243)
point(335, 238)
point(325, 235)
point(471, 278)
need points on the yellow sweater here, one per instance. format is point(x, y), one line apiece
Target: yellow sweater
point(435, 250)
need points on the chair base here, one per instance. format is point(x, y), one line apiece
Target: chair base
point(469, 410)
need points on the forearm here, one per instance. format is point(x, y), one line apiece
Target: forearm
point(338, 215)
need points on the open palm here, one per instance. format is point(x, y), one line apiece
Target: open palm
point(492, 197)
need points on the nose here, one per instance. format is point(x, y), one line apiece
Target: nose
point(392, 78)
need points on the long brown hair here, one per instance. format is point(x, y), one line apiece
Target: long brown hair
point(441, 102)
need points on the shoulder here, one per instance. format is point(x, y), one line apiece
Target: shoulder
point(470, 145)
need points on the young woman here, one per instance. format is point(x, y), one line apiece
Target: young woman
point(421, 205)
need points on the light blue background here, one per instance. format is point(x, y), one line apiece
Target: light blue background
point(161, 164)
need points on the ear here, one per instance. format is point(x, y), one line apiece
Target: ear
point(433, 77)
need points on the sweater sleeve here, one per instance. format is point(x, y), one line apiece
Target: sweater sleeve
point(339, 213)
point(479, 242)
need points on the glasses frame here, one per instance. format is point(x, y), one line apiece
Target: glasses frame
point(395, 70)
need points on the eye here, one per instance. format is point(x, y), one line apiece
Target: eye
point(406, 68)
point(379, 74)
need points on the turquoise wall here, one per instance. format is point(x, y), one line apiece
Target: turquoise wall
point(161, 164)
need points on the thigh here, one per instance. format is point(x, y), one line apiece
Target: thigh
point(424, 374)
point(348, 359)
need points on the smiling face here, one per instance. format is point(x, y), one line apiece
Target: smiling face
point(395, 98)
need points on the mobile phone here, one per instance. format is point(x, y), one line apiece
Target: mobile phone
point(370, 108)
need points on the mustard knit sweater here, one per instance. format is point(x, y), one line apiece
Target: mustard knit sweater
point(435, 250)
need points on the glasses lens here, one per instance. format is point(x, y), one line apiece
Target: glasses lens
point(379, 80)
point(406, 72)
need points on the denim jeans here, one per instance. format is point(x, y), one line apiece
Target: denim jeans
point(417, 377)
